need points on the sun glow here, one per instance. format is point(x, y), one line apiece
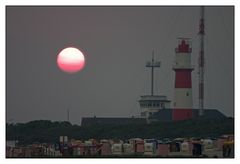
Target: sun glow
point(71, 60)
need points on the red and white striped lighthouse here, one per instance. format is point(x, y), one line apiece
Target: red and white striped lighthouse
point(183, 105)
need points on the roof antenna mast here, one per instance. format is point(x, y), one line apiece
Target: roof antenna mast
point(152, 64)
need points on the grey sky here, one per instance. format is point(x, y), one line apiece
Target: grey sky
point(116, 42)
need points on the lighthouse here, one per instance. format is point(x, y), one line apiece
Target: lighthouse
point(183, 105)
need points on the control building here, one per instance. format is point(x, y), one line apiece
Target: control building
point(151, 104)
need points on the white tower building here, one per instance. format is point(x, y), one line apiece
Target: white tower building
point(183, 83)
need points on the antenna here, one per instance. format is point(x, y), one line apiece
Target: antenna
point(201, 62)
point(152, 64)
point(68, 115)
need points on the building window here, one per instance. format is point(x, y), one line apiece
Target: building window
point(144, 104)
point(150, 104)
point(162, 105)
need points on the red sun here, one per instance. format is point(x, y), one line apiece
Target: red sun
point(71, 60)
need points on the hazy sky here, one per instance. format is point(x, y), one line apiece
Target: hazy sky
point(116, 42)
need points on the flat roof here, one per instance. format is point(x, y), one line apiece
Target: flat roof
point(154, 97)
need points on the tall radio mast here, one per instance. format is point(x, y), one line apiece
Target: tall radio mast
point(201, 62)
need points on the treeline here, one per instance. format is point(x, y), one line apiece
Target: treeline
point(44, 131)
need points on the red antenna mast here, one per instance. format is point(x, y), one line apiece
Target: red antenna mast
point(201, 62)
